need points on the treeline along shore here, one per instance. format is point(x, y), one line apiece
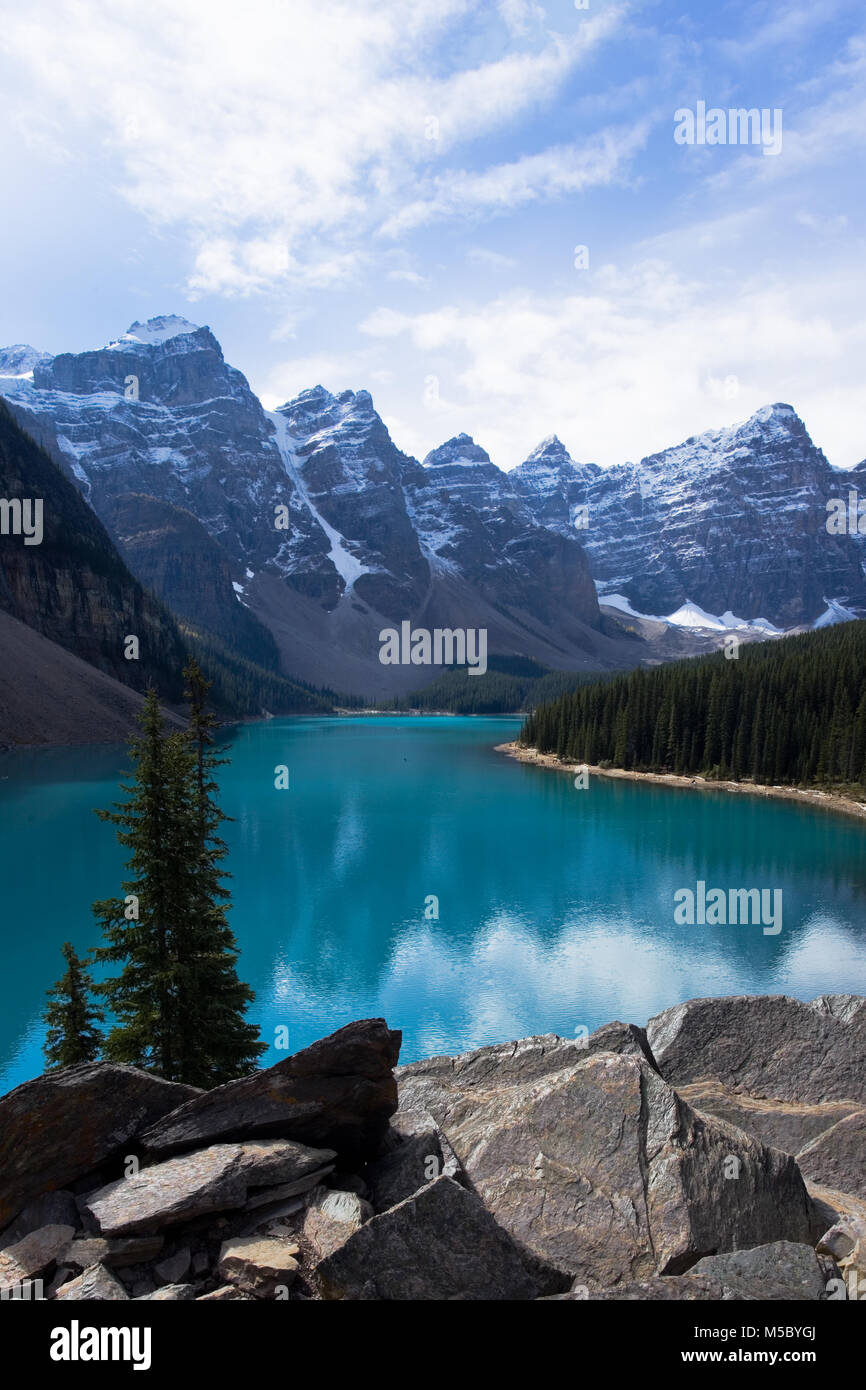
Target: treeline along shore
point(782, 717)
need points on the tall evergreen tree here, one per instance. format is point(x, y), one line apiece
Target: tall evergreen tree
point(177, 1000)
point(72, 1032)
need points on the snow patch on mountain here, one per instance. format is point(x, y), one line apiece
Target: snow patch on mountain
point(347, 565)
point(155, 332)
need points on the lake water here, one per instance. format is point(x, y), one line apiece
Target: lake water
point(556, 906)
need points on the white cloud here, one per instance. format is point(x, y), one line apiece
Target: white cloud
point(553, 173)
point(275, 136)
point(640, 359)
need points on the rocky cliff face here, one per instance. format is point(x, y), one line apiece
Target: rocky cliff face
point(72, 587)
point(732, 521)
point(327, 533)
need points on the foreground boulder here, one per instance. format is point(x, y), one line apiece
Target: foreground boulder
point(337, 1094)
point(441, 1243)
point(780, 1270)
point(218, 1178)
point(96, 1284)
point(66, 1123)
point(264, 1267)
point(767, 1045)
point(599, 1169)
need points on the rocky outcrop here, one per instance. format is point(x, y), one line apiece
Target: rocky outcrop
point(551, 1168)
point(67, 1123)
point(598, 1168)
point(339, 1093)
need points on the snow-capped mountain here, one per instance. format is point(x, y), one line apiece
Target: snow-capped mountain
point(330, 533)
point(732, 522)
point(310, 523)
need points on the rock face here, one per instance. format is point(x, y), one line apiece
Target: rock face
point(733, 520)
point(339, 1093)
point(441, 1243)
point(213, 1179)
point(417, 1152)
point(767, 1045)
point(73, 587)
point(68, 1122)
point(601, 1171)
point(837, 1158)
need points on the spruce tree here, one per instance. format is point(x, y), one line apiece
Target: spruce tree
point(178, 1001)
point(72, 1036)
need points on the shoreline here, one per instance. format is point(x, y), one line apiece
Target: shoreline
point(828, 801)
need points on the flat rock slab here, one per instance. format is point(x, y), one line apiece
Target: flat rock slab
point(116, 1253)
point(781, 1270)
point(441, 1243)
point(94, 1285)
point(218, 1178)
point(837, 1158)
point(67, 1122)
point(261, 1266)
point(337, 1094)
point(767, 1045)
point(601, 1171)
point(33, 1255)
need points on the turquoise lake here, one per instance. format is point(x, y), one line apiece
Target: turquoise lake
point(556, 906)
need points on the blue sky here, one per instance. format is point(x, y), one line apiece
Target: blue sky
point(389, 195)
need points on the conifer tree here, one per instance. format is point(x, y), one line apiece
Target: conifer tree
point(72, 1036)
point(177, 999)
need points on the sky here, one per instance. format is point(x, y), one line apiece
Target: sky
point(392, 195)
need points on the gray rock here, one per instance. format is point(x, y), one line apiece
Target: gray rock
point(841, 1239)
point(95, 1284)
point(52, 1209)
point(601, 1171)
point(33, 1254)
point(767, 1045)
point(673, 1288)
point(46, 1143)
point(781, 1270)
point(331, 1218)
point(227, 1293)
point(515, 1062)
point(169, 1293)
point(837, 1158)
point(192, 1185)
point(782, 1124)
point(441, 1243)
point(337, 1094)
point(417, 1153)
point(172, 1269)
point(263, 1267)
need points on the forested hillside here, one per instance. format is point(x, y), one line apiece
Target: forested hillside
point(790, 711)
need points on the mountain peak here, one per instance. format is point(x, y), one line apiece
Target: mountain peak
point(551, 449)
point(155, 331)
point(461, 449)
